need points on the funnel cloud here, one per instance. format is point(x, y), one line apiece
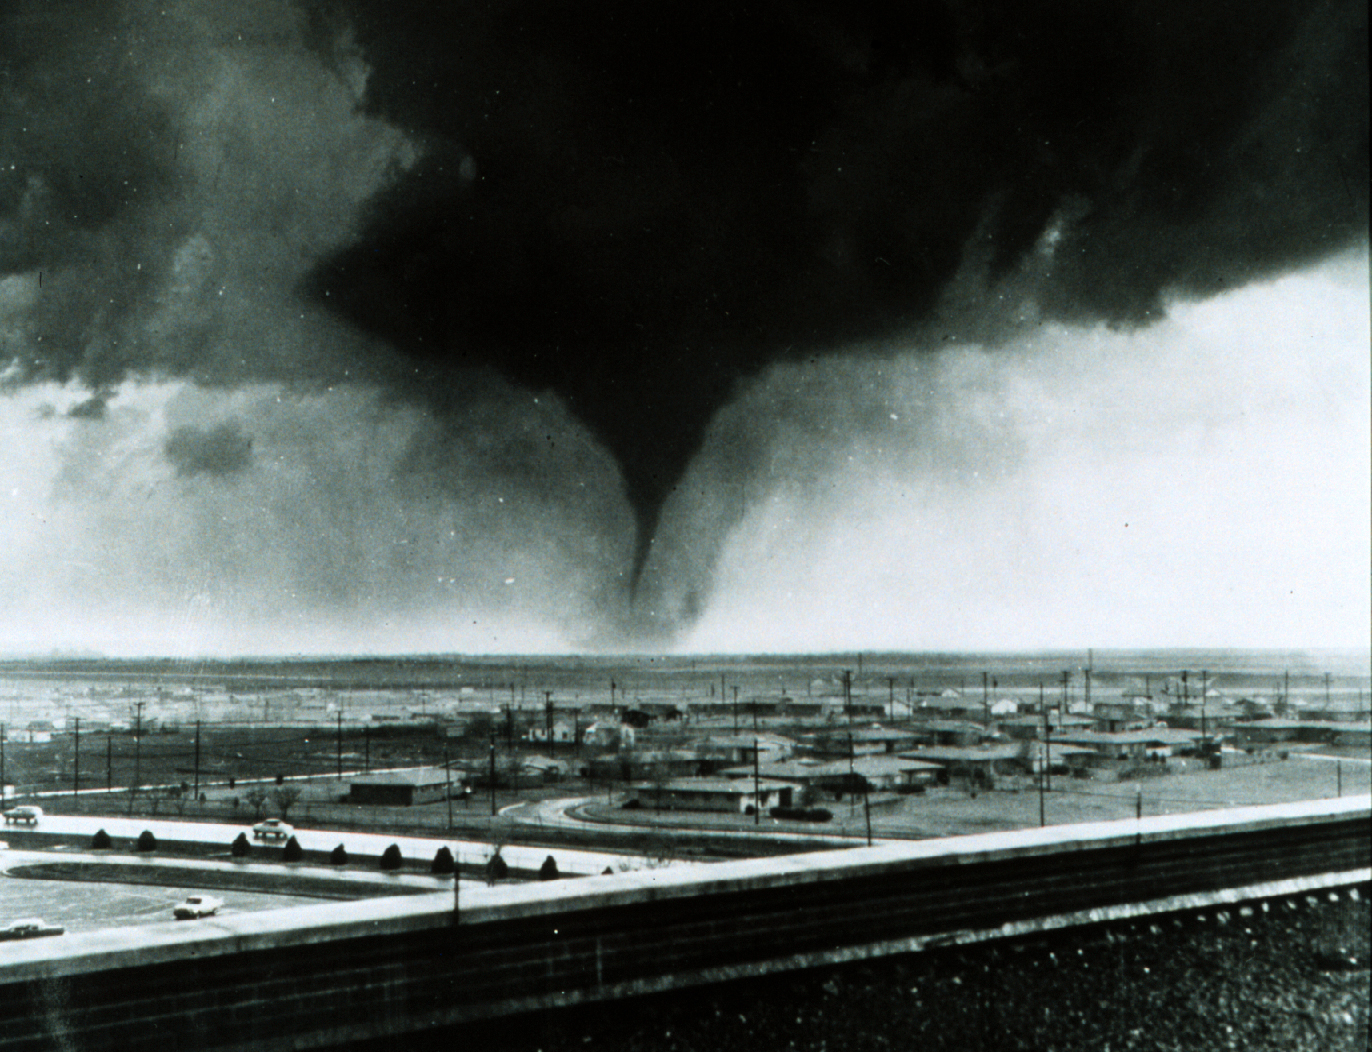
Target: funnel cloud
point(595, 277)
point(640, 206)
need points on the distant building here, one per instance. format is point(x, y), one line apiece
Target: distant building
point(861, 774)
point(404, 788)
point(861, 741)
point(732, 796)
point(1136, 746)
point(978, 765)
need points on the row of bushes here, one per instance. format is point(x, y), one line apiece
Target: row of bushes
point(443, 863)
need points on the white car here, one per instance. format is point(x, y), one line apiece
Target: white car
point(24, 813)
point(29, 928)
point(197, 906)
point(273, 829)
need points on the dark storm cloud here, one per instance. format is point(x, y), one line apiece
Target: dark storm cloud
point(639, 205)
point(216, 451)
point(86, 154)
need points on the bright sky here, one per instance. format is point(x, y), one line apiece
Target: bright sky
point(1201, 483)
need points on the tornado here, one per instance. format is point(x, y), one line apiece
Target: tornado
point(639, 207)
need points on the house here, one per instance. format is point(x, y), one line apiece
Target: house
point(864, 774)
point(1261, 734)
point(837, 777)
point(1060, 757)
point(728, 795)
point(861, 741)
point(951, 706)
point(1111, 716)
point(1132, 746)
point(421, 785)
point(1030, 728)
point(628, 766)
point(726, 750)
point(978, 765)
point(947, 732)
point(565, 729)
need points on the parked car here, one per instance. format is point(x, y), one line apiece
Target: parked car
point(197, 906)
point(29, 928)
point(273, 829)
point(24, 813)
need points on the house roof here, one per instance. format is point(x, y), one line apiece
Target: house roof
point(1147, 736)
point(718, 786)
point(1054, 720)
point(796, 770)
point(416, 777)
point(945, 754)
point(919, 726)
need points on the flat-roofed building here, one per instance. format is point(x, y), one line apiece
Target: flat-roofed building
point(728, 795)
point(423, 785)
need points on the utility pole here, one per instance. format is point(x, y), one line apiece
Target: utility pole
point(448, 785)
point(137, 752)
point(848, 695)
point(1327, 703)
point(340, 746)
point(196, 789)
point(492, 774)
point(757, 786)
point(735, 710)
point(1204, 677)
point(548, 719)
point(852, 774)
point(1047, 758)
point(76, 760)
point(1066, 686)
point(985, 701)
point(890, 697)
point(109, 762)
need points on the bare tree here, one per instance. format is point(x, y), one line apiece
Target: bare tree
point(285, 798)
point(257, 800)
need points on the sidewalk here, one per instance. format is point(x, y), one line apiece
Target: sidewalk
point(471, 854)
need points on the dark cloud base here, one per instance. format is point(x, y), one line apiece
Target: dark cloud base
point(637, 206)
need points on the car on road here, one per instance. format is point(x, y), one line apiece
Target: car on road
point(29, 928)
point(273, 829)
point(197, 906)
point(24, 813)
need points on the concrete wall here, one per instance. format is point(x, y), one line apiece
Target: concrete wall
point(316, 975)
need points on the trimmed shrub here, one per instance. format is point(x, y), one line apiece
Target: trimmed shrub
point(101, 840)
point(146, 841)
point(240, 846)
point(391, 858)
point(497, 868)
point(292, 852)
point(338, 856)
point(548, 871)
point(443, 862)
